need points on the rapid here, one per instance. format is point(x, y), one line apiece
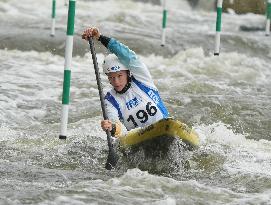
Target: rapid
point(225, 99)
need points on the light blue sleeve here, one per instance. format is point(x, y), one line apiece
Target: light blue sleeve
point(129, 59)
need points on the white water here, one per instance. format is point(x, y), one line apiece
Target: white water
point(226, 99)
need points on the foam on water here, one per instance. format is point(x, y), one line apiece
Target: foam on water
point(225, 98)
point(230, 69)
point(141, 187)
point(244, 155)
point(6, 133)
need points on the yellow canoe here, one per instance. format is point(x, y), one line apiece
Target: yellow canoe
point(165, 128)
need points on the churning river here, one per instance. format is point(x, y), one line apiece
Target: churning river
point(226, 99)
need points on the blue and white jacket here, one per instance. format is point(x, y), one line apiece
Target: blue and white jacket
point(141, 104)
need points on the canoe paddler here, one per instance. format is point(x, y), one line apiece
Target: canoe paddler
point(134, 100)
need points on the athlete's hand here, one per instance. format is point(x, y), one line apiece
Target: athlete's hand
point(106, 125)
point(91, 32)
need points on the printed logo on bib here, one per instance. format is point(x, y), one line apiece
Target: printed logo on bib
point(133, 103)
point(153, 96)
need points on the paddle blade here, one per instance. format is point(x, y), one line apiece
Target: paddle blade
point(112, 159)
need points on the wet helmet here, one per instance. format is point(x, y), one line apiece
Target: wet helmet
point(111, 64)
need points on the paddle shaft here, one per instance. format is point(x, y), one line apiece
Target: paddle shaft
point(98, 79)
point(112, 157)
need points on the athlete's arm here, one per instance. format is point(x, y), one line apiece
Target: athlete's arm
point(114, 124)
point(114, 128)
point(126, 56)
point(129, 59)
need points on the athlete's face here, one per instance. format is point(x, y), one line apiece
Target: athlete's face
point(118, 79)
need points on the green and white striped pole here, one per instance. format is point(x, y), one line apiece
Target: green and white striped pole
point(218, 26)
point(164, 23)
point(53, 18)
point(67, 70)
point(268, 17)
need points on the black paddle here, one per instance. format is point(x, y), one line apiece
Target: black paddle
point(112, 156)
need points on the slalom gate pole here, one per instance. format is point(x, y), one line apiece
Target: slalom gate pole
point(53, 18)
point(67, 70)
point(164, 23)
point(268, 17)
point(218, 26)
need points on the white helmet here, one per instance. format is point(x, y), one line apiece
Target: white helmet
point(111, 64)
